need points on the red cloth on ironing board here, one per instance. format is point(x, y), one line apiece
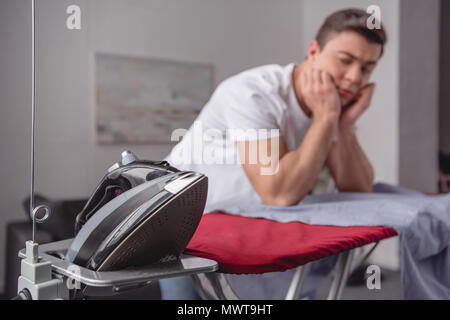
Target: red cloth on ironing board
point(249, 245)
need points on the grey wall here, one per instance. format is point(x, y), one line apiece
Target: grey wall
point(232, 35)
point(419, 94)
point(444, 103)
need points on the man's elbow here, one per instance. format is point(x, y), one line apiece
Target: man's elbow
point(280, 200)
point(274, 192)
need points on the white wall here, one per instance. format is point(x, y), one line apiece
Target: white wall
point(378, 128)
point(419, 92)
point(231, 35)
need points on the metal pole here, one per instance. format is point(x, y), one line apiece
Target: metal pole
point(33, 210)
point(341, 274)
point(33, 107)
point(297, 282)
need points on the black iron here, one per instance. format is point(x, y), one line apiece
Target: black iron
point(140, 213)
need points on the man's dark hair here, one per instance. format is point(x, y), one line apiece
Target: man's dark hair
point(351, 20)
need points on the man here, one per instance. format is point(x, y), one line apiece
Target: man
point(310, 110)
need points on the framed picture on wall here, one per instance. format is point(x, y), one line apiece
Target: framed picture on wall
point(142, 100)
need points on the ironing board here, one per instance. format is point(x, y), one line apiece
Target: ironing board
point(244, 245)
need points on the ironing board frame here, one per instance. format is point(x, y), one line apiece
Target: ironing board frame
point(211, 283)
point(112, 282)
point(214, 285)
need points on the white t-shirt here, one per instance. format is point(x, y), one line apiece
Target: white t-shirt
point(259, 103)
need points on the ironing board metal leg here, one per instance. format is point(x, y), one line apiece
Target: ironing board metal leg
point(340, 276)
point(214, 286)
point(204, 287)
point(224, 287)
point(297, 282)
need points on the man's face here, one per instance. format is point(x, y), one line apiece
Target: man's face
point(349, 59)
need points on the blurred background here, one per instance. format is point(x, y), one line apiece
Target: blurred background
point(405, 133)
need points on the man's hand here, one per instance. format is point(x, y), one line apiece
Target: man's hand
point(356, 108)
point(320, 94)
point(348, 163)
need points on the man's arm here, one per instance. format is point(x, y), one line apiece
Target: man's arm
point(349, 165)
point(297, 170)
